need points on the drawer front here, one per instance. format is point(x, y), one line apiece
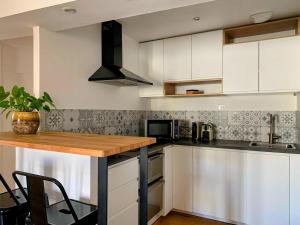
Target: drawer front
point(120, 198)
point(129, 216)
point(120, 175)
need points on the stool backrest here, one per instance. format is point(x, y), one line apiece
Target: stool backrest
point(3, 181)
point(36, 196)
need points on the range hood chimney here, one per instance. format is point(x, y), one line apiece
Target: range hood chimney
point(112, 71)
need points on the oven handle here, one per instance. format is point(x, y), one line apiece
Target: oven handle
point(151, 158)
point(156, 184)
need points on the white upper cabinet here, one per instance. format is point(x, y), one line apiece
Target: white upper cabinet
point(267, 188)
point(178, 58)
point(130, 54)
point(207, 49)
point(279, 66)
point(240, 68)
point(183, 178)
point(151, 67)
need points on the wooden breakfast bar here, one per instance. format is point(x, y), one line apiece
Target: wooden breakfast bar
point(100, 146)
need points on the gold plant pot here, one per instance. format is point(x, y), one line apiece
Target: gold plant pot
point(25, 122)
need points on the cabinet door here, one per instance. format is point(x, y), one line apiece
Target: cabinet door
point(130, 54)
point(267, 188)
point(207, 51)
point(218, 183)
point(128, 216)
point(279, 68)
point(151, 67)
point(294, 189)
point(240, 71)
point(178, 58)
point(182, 178)
point(168, 176)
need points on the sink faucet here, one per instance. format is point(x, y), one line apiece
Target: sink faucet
point(272, 136)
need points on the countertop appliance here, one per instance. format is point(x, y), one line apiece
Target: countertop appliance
point(155, 182)
point(163, 130)
point(112, 71)
point(207, 133)
point(196, 131)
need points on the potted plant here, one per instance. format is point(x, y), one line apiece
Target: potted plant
point(25, 108)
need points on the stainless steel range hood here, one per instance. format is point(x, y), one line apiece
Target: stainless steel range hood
point(112, 71)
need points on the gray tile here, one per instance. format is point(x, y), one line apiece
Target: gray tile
point(288, 135)
point(222, 118)
point(208, 116)
point(54, 120)
point(234, 133)
point(221, 132)
point(287, 119)
point(71, 120)
point(252, 133)
point(252, 118)
point(235, 118)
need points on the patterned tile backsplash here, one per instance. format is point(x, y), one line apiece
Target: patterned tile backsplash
point(230, 125)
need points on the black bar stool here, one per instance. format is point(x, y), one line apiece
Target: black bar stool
point(66, 212)
point(13, 206)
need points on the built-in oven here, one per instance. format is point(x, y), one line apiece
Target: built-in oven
point(155, 182)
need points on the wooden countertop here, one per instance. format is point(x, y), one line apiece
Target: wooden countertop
point(76, 143)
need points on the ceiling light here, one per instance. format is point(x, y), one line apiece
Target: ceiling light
point(197, 18)
point(69, 10)
point(261, 17)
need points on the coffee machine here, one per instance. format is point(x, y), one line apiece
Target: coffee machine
point(207, 133)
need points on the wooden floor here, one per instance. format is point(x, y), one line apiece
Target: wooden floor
point(182, 219)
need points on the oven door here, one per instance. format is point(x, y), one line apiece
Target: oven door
point(155, 198)
point(155, 167)
point(160, 129)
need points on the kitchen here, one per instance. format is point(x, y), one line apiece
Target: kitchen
point(229, 54)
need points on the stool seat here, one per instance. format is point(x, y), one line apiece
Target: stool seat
point(6, 201)
point(59, 213)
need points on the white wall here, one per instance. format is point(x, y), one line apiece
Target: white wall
point(67, 60)
point(15, 68)
point(280, 102)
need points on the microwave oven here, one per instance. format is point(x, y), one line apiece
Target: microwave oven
point(163, 130)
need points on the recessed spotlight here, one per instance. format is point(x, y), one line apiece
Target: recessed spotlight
point(261, 17)
point(197, 18)
point(69, 10)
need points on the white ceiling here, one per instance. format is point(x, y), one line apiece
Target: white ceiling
point(214, 15)
point(89, 12)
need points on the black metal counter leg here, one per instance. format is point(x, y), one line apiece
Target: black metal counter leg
point(143, 186)
point(102, 190)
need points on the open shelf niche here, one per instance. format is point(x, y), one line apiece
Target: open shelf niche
point(211, 87)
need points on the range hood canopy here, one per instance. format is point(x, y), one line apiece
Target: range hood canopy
point(112, 71)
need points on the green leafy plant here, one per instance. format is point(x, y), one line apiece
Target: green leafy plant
point(21, 101)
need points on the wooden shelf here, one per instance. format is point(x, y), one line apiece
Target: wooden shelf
point(196, 95)
point(262, 28)
point(170, 87)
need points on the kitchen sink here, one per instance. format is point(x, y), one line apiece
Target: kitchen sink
point(272, 146)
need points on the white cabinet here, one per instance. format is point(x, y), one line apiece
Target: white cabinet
point(178, 58)
point(151, 67)
point(168, 176)
point(207, 51)
point(218, 183)
point(266, 188)
point(279, 67)
point(130, 54)
point(182, 178)
point(294, 189)
point(240, 68)
point(123, 194)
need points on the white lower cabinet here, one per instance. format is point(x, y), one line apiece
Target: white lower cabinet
point(183, 178)
point(218, 184)
point(266, 188)
point(123, 187)
point(295, 189)
point(128, 216)
point(168, 176)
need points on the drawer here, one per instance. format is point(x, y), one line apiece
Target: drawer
point(129, 216)
point(121, 197)
point(123, 174)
